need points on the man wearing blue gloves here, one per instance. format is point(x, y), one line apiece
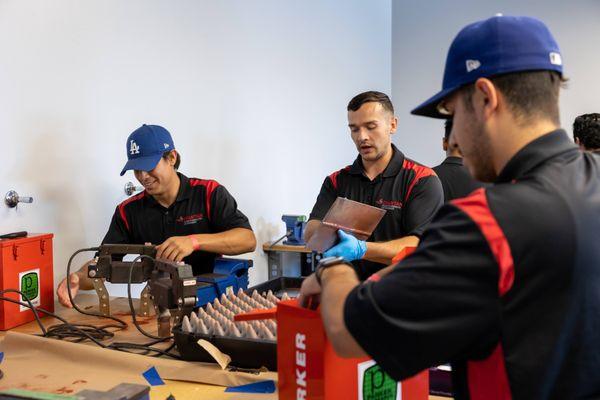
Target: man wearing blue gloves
point(383, 177)
point(504, 283)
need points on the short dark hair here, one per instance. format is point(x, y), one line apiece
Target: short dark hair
point(529, 94)
point(447, 128)
point(371, 97)
point(586, 128)
point(177, 161)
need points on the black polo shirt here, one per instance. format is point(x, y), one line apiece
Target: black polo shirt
point(201, 206)
point(456, 179)
point(505, 284)
point(410, 192)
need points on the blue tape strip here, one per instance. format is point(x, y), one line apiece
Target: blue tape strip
point(258, 387)
point(153, 377)
point(1, 356)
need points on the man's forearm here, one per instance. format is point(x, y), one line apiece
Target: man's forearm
point(337, 283)
point(232, 242)
point(311, 227)
point(384, 252)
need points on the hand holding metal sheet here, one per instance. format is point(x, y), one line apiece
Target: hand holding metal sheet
point(352, 217)
point(349, 247)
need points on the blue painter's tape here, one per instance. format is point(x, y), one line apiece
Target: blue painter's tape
point(258, 387)
point(153, 377)
point(1, 356)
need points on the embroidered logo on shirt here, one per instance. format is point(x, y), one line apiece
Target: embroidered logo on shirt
point(389, 204)
point(189, 219)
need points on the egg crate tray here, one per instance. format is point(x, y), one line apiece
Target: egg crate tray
point(251, 344)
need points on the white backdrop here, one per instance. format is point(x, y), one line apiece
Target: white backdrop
point(253, 92)
point(423, 31)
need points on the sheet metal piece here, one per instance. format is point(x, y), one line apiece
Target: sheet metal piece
point(348, 215)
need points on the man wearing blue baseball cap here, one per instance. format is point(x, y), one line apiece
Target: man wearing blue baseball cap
point(191, 220)
point(504, 283)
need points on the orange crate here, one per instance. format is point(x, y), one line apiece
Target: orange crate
point(309, 368)
point(26, 265)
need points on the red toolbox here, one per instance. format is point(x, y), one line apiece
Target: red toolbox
point(26, 265)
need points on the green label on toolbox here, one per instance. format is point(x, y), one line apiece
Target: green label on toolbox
point(29, 285)
point(375, 384)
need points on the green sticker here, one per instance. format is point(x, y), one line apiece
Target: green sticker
point(30, 286)
point(377, 385)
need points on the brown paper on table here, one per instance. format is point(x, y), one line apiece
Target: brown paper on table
point(221, 358)
point(348, 215)
point(50, 365)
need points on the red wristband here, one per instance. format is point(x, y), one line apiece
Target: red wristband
point(195, 243)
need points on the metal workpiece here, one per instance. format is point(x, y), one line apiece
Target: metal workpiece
point(164, 322)
point(130, 188)
point(12, 198)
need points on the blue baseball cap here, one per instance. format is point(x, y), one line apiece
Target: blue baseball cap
point(145, 146)
point(497, 45)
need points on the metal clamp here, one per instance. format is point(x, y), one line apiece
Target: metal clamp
point(12, 198)
point(130, 188)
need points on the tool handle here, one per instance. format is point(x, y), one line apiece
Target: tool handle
point(255, 314)
point(14, 235)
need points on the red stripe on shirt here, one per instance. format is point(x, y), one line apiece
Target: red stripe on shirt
point(123, 204)
point(476, 207)
point(333, 177)
point(210, 187)
point(487, 378)
point(421, 171)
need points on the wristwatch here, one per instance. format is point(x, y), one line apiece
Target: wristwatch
point(327, 263)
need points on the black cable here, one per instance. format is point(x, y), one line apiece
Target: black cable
point(35, 309)
point(121, 346)
point(130, 299)
point(30, 305)
point(81, 332)
point(120, 321)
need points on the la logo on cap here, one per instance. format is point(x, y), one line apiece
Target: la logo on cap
point(134, 148)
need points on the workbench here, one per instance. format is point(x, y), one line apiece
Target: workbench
point(120, 308)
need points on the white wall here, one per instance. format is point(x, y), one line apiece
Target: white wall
point(254, 93)
point(423, 31)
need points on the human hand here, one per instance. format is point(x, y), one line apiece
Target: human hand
point(310, 293)
point(349, 247)
point(61, 290)
point(175, 248)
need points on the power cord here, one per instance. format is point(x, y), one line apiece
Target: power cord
point(130, 299)
point(80, 332)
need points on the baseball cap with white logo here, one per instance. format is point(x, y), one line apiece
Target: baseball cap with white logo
point(145, 146)
point(495, 46)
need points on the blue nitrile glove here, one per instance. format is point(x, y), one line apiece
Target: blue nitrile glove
point(349, 247)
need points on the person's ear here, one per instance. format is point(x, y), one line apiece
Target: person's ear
point(172, 158)
point(445, 144)
point(486, 96)
point(393, 124)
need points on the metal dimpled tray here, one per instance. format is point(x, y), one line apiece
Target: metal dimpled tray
point(250, 344)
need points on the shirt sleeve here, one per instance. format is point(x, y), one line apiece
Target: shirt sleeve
point(224, 213)
point(117, 231)
point(425, 199)
point(325, 199)
point(438, 305)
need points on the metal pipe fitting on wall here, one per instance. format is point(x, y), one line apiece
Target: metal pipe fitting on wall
point(130, 188)
point(12, 198)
